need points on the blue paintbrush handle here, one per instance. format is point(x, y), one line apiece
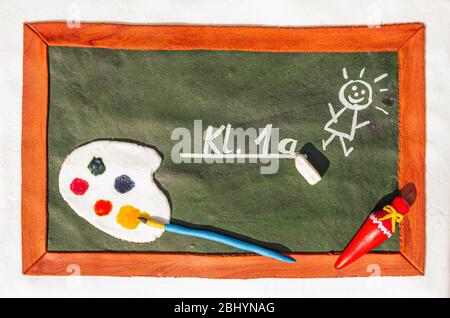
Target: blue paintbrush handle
point(220, 238)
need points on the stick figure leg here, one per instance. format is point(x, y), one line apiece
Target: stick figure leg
point(346, 152)
point(326, 143)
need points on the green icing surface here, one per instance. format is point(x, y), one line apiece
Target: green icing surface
point(145, 95)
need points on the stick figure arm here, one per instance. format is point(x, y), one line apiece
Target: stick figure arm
point(333, 114)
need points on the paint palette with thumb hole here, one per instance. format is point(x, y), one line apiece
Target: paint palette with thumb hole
point(110, 184)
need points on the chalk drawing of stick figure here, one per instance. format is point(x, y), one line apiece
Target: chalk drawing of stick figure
point(354, 95)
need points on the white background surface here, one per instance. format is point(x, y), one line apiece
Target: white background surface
point(436, 16)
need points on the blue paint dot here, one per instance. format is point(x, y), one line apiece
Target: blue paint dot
point(123, 184)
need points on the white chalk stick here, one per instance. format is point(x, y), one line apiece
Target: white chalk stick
point(306, 169)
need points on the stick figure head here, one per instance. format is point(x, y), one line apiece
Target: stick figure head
point(356, 95)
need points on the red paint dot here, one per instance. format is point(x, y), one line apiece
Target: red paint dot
point(79, 186)
point(102, 207)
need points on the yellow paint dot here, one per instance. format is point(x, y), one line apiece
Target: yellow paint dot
point(128, 217)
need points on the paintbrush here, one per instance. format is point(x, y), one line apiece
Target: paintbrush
point(216, 237)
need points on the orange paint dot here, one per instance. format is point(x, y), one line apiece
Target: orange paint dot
point(102, 207)
point(128, 217)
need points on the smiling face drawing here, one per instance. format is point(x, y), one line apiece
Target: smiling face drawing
point(110, 184)
point(356, 95)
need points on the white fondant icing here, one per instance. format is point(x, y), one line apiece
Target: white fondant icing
point(119, 157)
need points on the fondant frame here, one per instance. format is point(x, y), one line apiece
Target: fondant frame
point(406, 39)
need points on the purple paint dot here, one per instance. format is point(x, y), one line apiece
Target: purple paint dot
point(123, 184)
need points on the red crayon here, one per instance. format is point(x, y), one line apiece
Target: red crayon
point(378, 228)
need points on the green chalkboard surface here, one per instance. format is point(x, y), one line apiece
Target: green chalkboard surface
point(145, 95)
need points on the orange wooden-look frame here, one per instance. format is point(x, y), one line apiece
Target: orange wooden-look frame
point(406, 39)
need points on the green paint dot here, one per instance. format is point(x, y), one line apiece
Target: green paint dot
point(96, 166)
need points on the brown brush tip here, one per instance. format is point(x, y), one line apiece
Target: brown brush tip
point(142, 219)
